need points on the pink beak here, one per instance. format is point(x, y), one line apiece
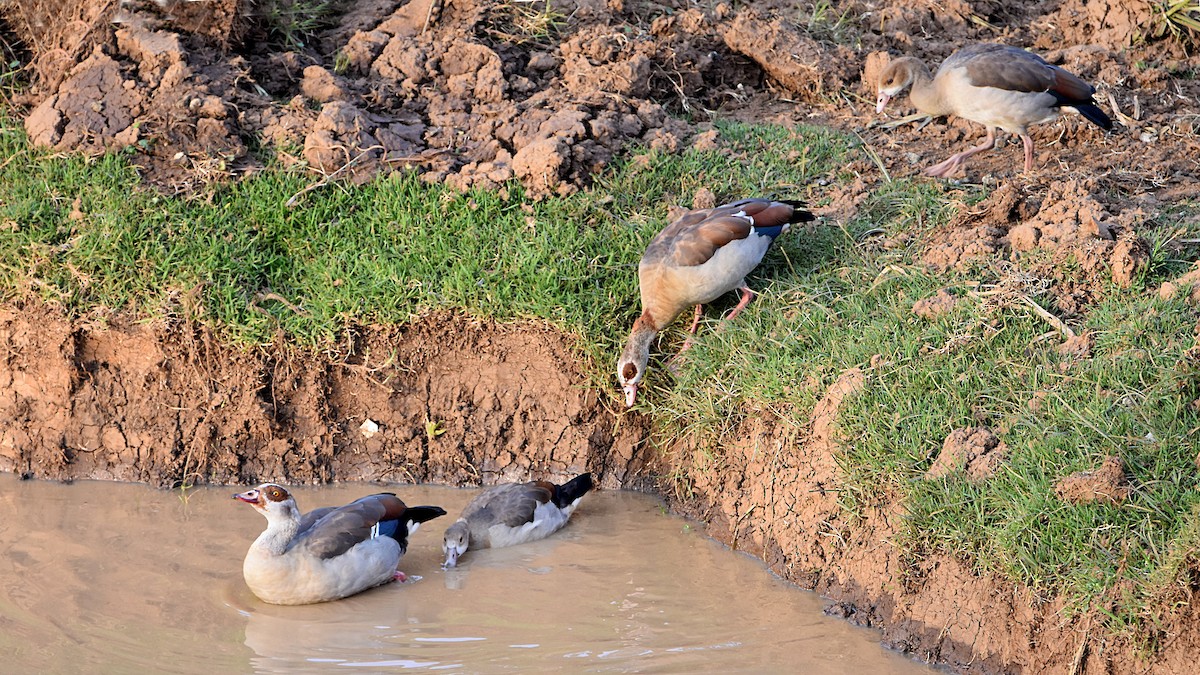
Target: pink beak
point(630, 394)
point(883, 101)
point(250, 496)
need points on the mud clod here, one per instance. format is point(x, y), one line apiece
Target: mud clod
point(936, 305)
point(975, 451)
point(1106, 484)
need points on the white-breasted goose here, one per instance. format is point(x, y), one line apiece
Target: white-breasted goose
point(514, 513)
point(702, 255)
point(327, 553)
point(995, 85)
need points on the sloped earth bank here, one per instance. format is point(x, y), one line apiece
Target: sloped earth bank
point(476, 93)
point(446, 400)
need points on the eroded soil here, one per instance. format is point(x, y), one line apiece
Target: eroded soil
point(450, 401)
point(474, 93)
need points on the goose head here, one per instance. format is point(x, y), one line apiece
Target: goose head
point(895, 78)
point(455, 543)
point(631, 367)
point(271, 500)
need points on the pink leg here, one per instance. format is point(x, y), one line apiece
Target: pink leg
point(951, 165)
point(687, 343)
point(747, 296)
point(696, 321)
point(399, 576)
point(1028, 153)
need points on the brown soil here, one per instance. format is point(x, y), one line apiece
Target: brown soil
point(976, 451)
point(936, 305)
point(1104, 484)
point(454, 401)
point(458, 91)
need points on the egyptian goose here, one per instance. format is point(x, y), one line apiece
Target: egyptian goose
point(514, 513)
point(694, 260)
point(995, 85)
point(327, 553)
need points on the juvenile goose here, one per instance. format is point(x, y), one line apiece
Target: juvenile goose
point(694, 260)
point(327, 553)
point(514, 513)
point(994, 85)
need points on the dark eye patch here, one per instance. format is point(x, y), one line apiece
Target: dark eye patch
point(629, 372)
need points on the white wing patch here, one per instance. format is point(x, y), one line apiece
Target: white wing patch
point(547, 519)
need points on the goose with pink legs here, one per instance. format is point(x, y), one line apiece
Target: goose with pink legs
point(327, 553)
point(698, 258)
point(998, 86)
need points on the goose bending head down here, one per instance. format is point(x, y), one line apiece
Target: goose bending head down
point(696, 259)
point(327, 553)
point(514, 513)
point(995, 85)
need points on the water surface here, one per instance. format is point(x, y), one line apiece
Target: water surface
point(111, 577)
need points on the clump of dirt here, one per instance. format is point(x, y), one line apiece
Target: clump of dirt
point(58, 33)
point(811, 69)
point(978, 233)
point(935, 305)
point(976, 451)
point(1115, 24)
point(1084, 244)
point(1105, 484)
point(1189, 282)
point(147, 95)
point(1077, 346)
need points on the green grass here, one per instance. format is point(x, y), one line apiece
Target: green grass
point(831, 298)
point(381, 253)
point(294, 24)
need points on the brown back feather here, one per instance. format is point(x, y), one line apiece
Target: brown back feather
point(696, 236)
point(337, 530)
point(1070, 87)
point(1003, 67)
point(706, 238)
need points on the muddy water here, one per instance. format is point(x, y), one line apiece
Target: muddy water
point(108, 577)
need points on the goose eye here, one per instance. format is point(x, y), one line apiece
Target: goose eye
point(629, 372)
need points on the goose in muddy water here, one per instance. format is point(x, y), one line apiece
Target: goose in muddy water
point(514, 513)
point(995, 85)
point(698, 258)
point(328, 553)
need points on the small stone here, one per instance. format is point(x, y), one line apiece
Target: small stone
point(368, 428)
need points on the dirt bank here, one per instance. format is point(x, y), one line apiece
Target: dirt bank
point(447, 400)
point(478, 93)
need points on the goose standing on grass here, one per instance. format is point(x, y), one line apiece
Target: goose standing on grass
point(327, 553)
point(514, 513)
point(695, 260)
point(994, 85)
